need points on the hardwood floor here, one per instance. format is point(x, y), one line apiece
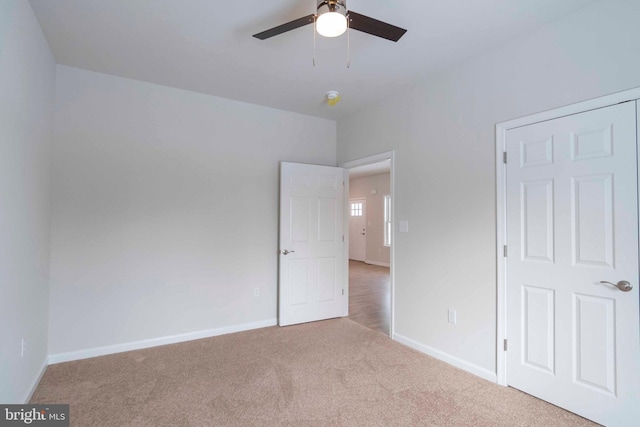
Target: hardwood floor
point(369, 295)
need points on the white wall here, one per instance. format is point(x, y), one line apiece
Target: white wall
point(165, 209)
point(376, 251)
point(27, 84)
point(443, 134)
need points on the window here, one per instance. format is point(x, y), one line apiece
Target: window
point(387, 220)
point(356, 209)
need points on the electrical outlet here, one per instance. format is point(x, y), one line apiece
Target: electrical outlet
point(23, 347)
point(256, 292)
point(452, 316)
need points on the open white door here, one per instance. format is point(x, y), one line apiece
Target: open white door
point(312, 282)
point(572, 224)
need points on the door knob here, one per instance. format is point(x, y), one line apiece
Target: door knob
point(623, 285)
point(285, 252)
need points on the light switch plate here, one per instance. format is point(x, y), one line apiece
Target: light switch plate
point(404, 226)
point(452, 316)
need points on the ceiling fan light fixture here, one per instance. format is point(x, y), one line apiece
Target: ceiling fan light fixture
point(331, 19)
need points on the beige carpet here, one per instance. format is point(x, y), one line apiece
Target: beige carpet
point(330, 373)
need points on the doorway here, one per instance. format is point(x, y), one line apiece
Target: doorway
point(370, 190)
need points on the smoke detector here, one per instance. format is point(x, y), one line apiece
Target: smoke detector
point(333, 97)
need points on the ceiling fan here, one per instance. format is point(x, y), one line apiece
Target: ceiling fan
point(333, 18)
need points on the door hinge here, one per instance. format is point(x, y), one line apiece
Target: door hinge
point(504, 251)
point(504, 157)
point(505, 344)
point(343, 292)
point(343, 237)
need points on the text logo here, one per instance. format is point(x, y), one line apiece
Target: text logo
point(34, 415)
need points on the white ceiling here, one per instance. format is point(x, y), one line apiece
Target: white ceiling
point(206, 45)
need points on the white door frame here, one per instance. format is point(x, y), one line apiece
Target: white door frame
point(501, 235)
point(377, 158)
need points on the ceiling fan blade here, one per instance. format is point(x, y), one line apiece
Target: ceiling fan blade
point(375, 27)
point(292, 25)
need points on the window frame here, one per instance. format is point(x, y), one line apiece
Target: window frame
point(388, 229)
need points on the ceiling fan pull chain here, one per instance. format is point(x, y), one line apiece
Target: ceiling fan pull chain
point(348, 43)
point(315, 18)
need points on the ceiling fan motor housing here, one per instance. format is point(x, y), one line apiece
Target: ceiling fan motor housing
point(339, 6)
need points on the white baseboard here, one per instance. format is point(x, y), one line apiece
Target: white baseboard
point(381, 264)
point(445, 357)
point(154, 342)
point(36, 381)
